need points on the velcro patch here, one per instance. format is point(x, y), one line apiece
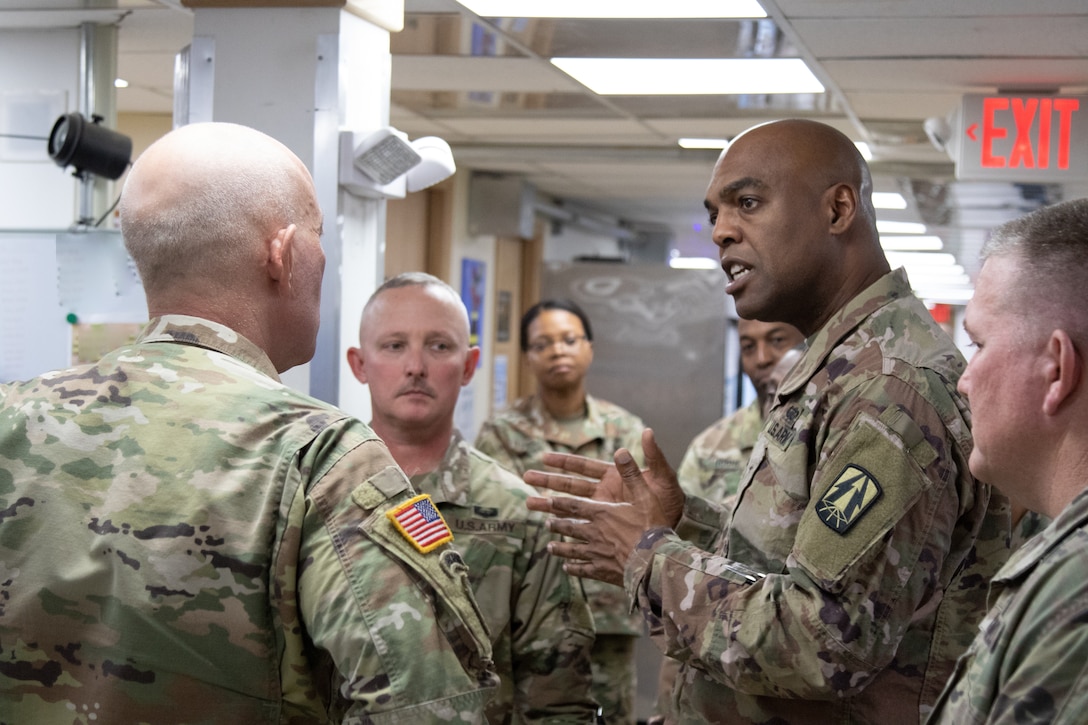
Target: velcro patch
point(782, 428)
point(419, 521)
point(854, 491)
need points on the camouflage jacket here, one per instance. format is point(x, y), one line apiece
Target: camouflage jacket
point(716, 458)
point(711, 469)
point(541, 628)
point(185, 539)
point(519, 437)
point(1029, 662)
point(852, 570)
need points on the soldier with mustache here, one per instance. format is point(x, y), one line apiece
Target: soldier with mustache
point(414, 355)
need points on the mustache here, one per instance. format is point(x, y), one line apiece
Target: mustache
point(416, 387)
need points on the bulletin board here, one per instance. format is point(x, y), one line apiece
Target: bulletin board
point(63, 296)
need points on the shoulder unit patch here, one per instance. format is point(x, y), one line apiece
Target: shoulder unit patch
point(420, 522)
point(850, 496)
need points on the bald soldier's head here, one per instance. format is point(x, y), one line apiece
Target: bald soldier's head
point(791, 207)
point(223, 222)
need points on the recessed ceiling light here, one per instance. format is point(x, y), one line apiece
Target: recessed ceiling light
point(885, 226)
point(889, 200)
point(690, 76)
point(615, 9)
point(120, 83)
point(703, 143)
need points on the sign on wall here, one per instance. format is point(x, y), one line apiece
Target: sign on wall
point(1023, 137)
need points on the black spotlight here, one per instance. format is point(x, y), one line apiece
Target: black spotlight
point(89, 147)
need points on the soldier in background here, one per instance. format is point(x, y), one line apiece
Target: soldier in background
point(414, 355)
point(557, 338)
point(185, 539)
point(715, 459)
point(778, 374)
point(1028, 388)
point(852, 570)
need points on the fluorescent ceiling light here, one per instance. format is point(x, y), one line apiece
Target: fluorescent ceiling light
point(615, 9)
point(929, 277)
point(690, 76)
point(929, 259)
point(912, 243)
point(889, 200)
point(694, 263)
point(929, 265)
point(863, 148)
point(703, 143)
point(950, 295)
point(885, 226)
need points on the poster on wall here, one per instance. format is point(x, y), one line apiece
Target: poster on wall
point(473, 287)
point(498, 383)
point(502, 316)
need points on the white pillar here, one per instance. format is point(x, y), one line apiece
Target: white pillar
point(301, 74)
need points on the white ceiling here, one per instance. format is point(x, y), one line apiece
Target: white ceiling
point(887, 65)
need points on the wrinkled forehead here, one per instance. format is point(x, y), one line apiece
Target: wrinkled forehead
point(756, 329)
point(752, 164)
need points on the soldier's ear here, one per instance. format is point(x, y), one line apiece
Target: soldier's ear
point(279, 251)
point(1064, 372)
point(471, 360)
point(355, 360)
point(842, 204)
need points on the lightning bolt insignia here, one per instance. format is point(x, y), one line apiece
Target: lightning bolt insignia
point(854, 491)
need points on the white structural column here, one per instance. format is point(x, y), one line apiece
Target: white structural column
point(301, 74)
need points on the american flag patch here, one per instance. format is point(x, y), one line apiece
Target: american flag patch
point(421, 524)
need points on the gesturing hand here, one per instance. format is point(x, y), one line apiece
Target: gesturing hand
point(608, 509)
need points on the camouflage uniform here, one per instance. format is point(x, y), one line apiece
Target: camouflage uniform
point(540, 624)
point(1030, 524)
point(716, 458)
point(852, 570)
point(711, 469)
point(1029, 662)
point(518, 438)
point(185, 539)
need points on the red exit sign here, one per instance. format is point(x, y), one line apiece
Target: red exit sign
point(1023, 138)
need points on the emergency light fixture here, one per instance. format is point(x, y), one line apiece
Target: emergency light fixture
point(386, 165)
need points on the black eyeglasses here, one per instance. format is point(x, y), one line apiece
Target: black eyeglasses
point(567, 342)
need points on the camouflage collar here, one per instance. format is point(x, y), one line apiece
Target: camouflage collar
point(197, 331)
point(451, 481)
point(1035, 549)
point(842, 324)
point(592, 428)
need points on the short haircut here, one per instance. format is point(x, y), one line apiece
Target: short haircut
point(413, 279)
point(1052, 244)
point(552, 304)
point(208, 227)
